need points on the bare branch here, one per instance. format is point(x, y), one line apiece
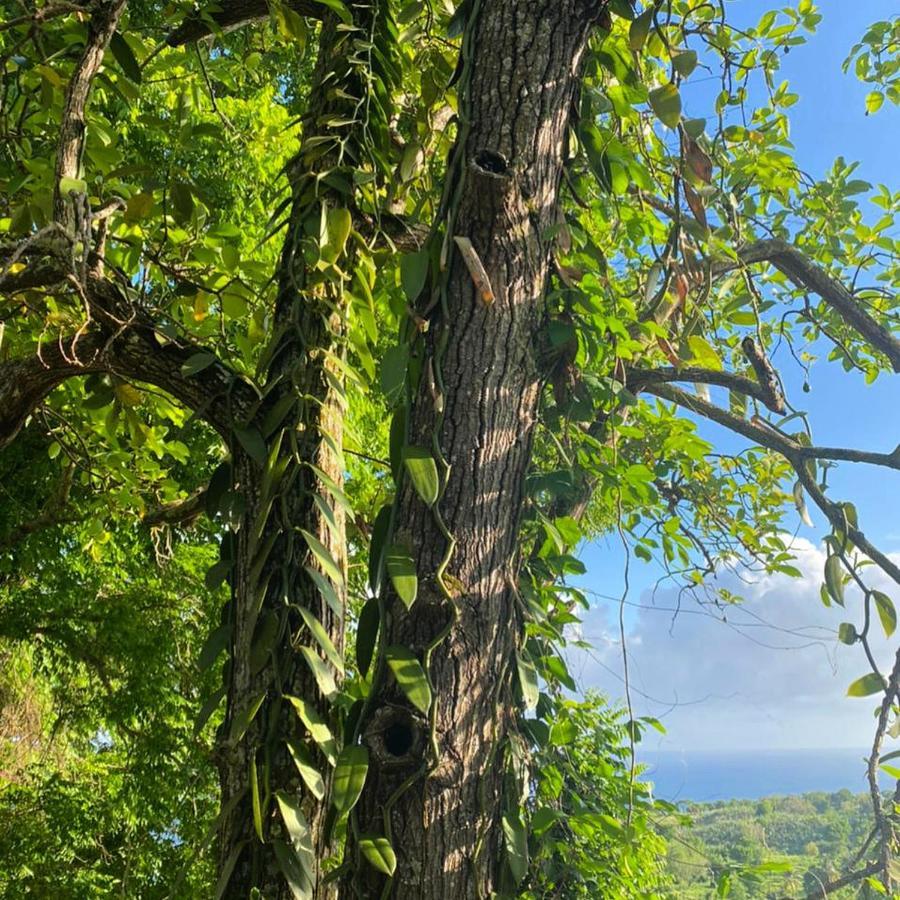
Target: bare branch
point(765, 375)
point(638, 379)
point(44, 14)
point(180, 512)
point(102, 27)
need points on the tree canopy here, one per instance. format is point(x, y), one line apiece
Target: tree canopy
point(329, 332)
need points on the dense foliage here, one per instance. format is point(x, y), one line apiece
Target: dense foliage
point(807, 840)
point(243, 567)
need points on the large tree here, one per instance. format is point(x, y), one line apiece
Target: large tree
point(502, 246)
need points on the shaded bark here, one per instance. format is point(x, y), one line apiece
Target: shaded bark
point(276, 574)
point(445, 827)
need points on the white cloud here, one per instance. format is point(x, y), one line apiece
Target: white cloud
point(767, 674)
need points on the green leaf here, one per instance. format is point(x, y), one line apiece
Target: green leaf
point(874, 102)
point(378, 853)
point(254, 798)
point(317, 630)
point(665, 101)
point(288, 859)
point(639, 29)
point(847, 633)
point(316, 726)
point(298, 830)
point(886, 612)
point(339, 224)
point(393, 371)
point(414, 273)
point(197, 363)
point(834, 579)
point(868, 684)
point(703, 353)
point(321, 672)
point(349, 777)
point(366, 634)
point(72, 186)
point(326, 589)
point(251, 439)
point(183, 200)
point(410, 676)
point(124, 56)
point(227, 869)
point(423, 473)
point(241, 722)
point(213, 646)
point(323, 556)
point(209, 707)
point(528, 679)
point(684, 61)
point(402, 571)
point(516, 841)
point(377, 546)
point(339, 9)
point(308, 772)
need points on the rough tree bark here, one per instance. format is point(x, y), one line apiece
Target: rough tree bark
point(445, 827)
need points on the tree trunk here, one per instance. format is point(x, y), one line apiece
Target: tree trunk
point(278, 571)
point(443, 813)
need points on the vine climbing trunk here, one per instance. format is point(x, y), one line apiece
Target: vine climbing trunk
point(439, 781)
point(279, 741)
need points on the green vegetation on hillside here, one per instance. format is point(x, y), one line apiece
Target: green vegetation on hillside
point(792, 845)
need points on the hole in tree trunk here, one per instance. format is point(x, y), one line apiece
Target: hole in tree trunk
point(492, 162)
point(398, 739)
point(395, 736)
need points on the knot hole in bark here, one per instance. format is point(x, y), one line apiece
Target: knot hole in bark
point(395, 736)
point(490, 162)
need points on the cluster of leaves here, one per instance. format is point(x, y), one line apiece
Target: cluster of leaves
point(194, 141)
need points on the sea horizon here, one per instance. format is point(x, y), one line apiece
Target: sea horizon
point(705, 776)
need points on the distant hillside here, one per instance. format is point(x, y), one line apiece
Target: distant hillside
point(812, 838)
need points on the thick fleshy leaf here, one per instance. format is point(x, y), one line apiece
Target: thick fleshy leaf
point(321, 672)
point(665, 101)
point(886, 612)
point(402, 571)
point(378, 853)
point(317, 727)
point(834, 579)
point(366, 635)
point(868, 684)
point(516, 841)
point(410, 676)
point(317, 630)
point(308, 772)
point(423, 473)
point(349, 777)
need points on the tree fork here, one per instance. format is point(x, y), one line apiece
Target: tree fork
point(444, 814)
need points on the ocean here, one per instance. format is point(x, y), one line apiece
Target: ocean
point(704, 776)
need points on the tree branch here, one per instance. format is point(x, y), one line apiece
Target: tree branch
point(72, 128)
point(639, 379)
point(136, 353)
point(805, 273)
point(180, 512)
point(826, 889)
point(235, 14)
point(802, 272)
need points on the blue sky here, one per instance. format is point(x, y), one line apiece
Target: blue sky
point(743, 683)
